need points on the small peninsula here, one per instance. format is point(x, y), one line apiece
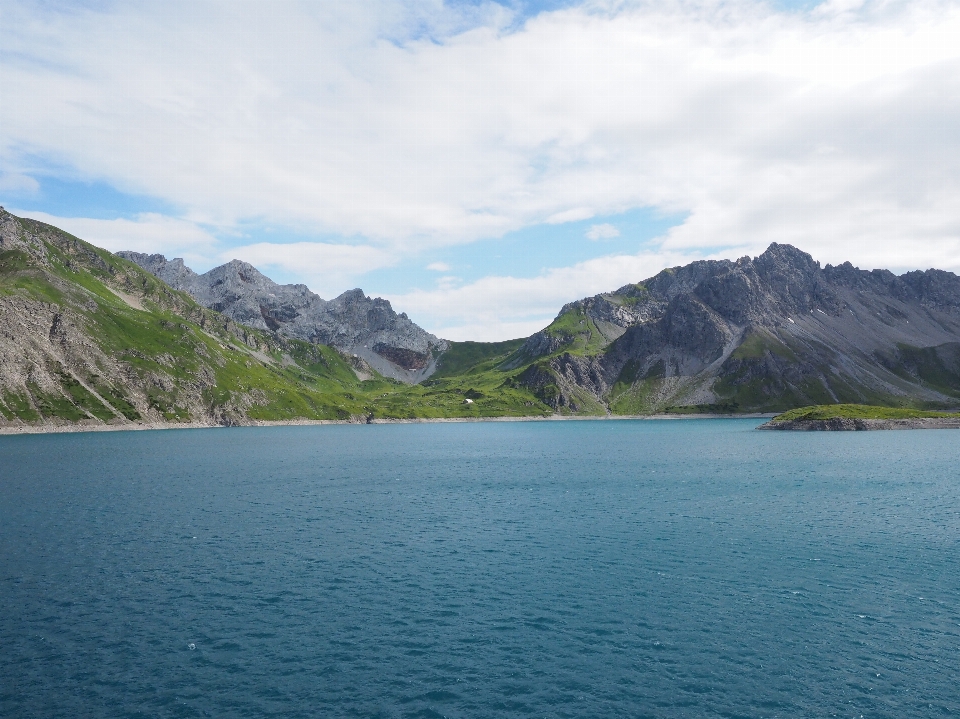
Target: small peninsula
point(859, 417)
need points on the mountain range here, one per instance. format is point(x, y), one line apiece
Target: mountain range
point(769, 333)
point(94, 338)
point(353, 323)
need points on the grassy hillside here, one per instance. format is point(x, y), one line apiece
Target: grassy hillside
point(855, 411)
point(577, 332)
point(92, 337)
point(464, 357)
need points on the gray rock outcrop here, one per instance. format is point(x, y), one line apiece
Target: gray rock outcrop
point(353, 323)
point(772, 332)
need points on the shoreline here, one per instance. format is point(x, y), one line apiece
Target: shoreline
point(11, 429)
point(844, 424)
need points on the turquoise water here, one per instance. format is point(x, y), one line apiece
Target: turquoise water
point(560, 569)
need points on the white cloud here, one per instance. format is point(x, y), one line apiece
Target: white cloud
point(439, 267)
point(497, 308)
point(495, 329)
point(416, 124)
point(421, 124)
point(448, 282)
point(602, 232)
point(148, 232)
point(18, 183)
point(573, 215)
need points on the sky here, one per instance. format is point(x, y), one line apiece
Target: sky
point(482, 163)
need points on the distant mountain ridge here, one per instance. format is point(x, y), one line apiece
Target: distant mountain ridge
point(90, 338)
point(772, 332)
point(353, 323)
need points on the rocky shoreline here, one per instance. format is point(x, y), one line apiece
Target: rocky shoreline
point(836, 424)
point(846, 424)
point(13, 429)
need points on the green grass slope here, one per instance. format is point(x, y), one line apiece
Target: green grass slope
point(177, 361)
point(463, 357)
point(94, 338)
point(856, 411)
point(577, 332)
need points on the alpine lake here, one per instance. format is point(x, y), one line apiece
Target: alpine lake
point(635, 568)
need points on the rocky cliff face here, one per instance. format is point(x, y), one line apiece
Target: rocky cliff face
point(353, 323)
point(767, 333)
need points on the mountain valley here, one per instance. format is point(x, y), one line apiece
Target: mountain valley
point(91, 338)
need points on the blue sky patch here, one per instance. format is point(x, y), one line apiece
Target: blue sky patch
point(74, 198)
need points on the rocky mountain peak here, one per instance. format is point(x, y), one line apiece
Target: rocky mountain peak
point(780, 282)
point(354, 323)
point(354, 295)
point(778, 328)
point(174, 272)
point(779, 257)
point(243, 271)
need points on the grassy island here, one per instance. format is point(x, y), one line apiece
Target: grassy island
point(857, 411)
